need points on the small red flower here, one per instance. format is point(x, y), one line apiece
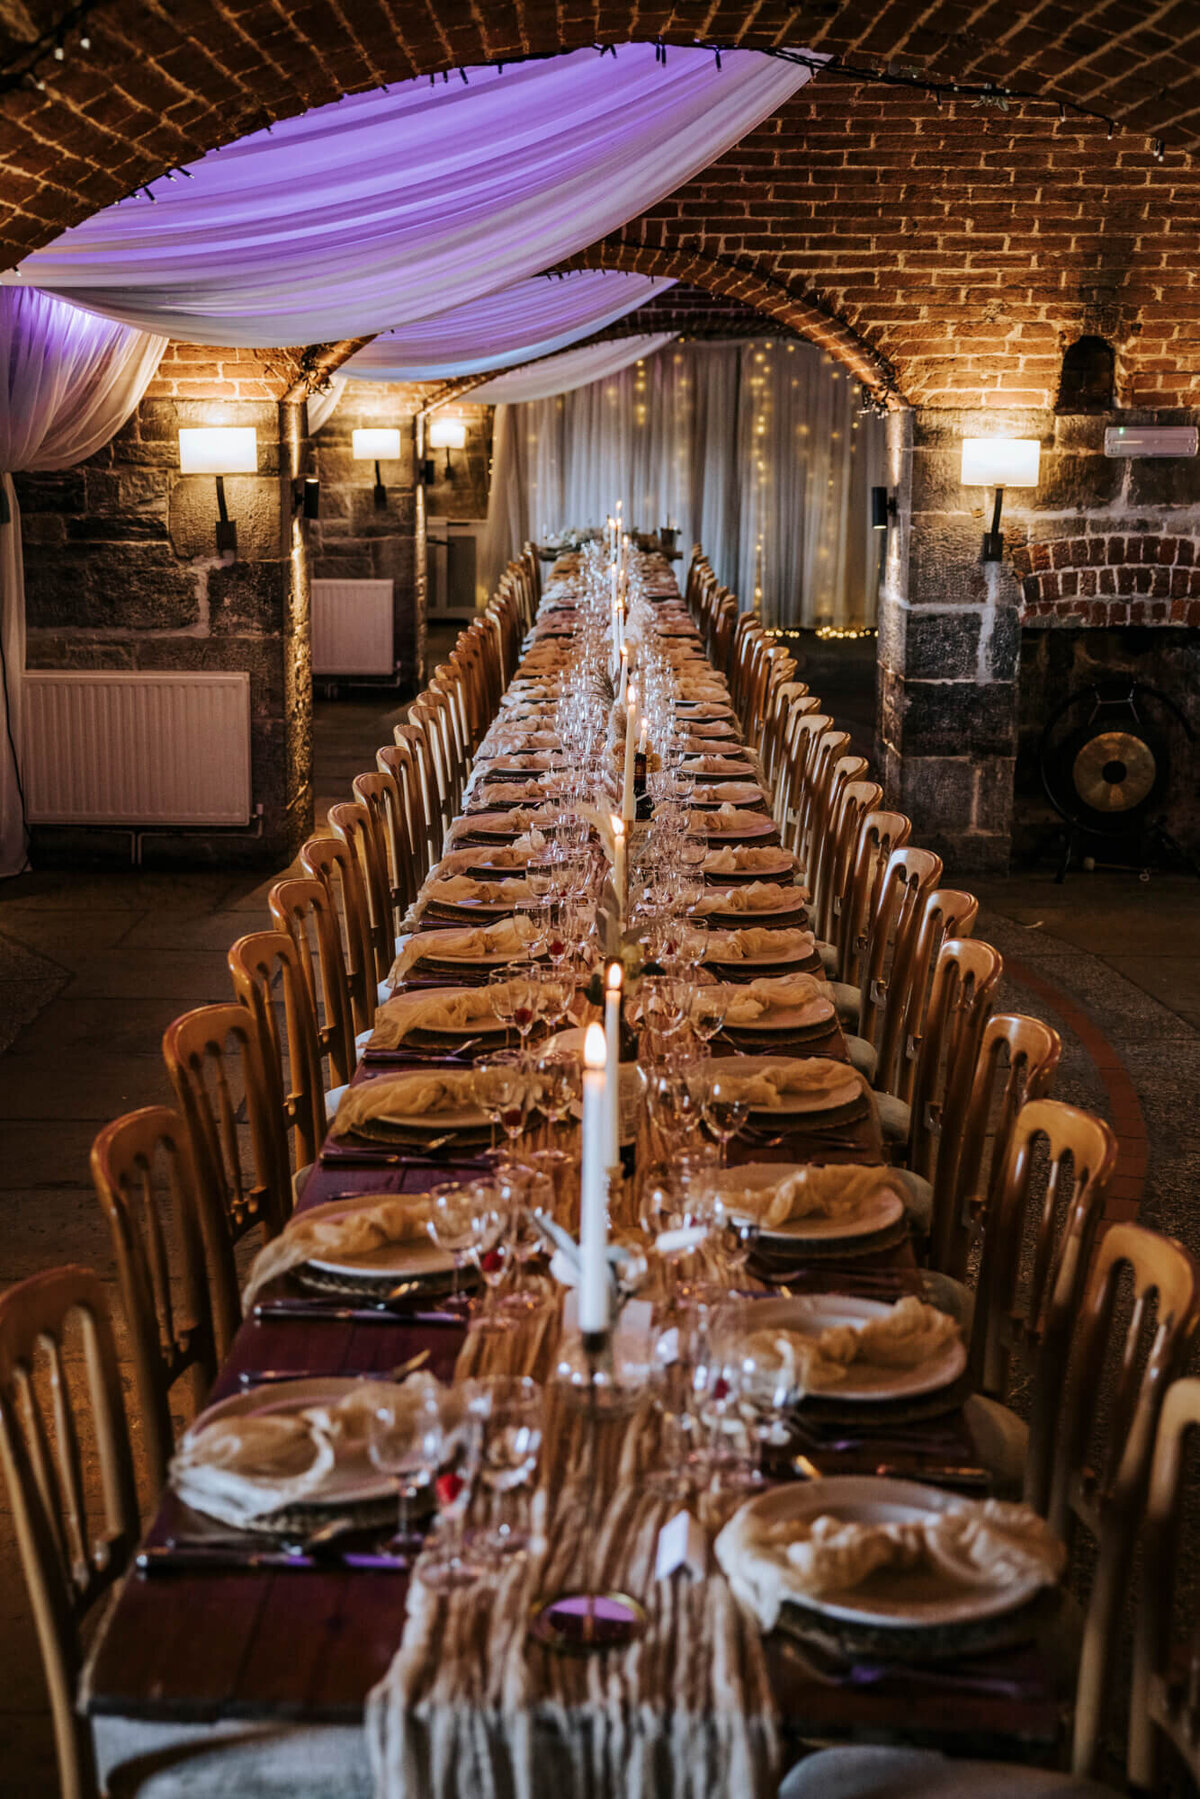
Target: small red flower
point(492, 1261)
point(448, 1487)
point(720, 1388)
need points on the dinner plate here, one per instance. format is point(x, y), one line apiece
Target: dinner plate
point(738, 793)
point(446, 1118)
point(479, 1027)
point(781, 863)
point(751, 824)
point(785, 1019)
point(714, 727)
point(713, 953)
point(919, 1599)
point(352, 1480)
point(880, 1213)
point(792, 1105)
point(435, 953)
point(866, 1383)
point(790, 901)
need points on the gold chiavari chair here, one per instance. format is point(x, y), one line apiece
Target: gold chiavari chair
point(879, 833)
point(770, 748)
point(804, 729)
point(965, 977)
point(259, 963)
point(304, 910)
point(335, 864)
point(353, 824)
point(399, 760)
point(813, 804)
point(1018, 1059)
point(1164, 1712)
point(846, 770)
point(378, 793)
point(835, 870)
point(910, 876)
point(73, 1550)
point(218, 1063)
point(416, 738)
point(174, 1266)
point(946, 912)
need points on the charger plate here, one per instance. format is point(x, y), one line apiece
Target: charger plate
point(810, 1313)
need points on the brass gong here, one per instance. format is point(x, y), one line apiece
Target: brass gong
point(1114, 771)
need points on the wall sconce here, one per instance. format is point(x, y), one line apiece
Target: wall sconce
point(306, 496)
point(999, 462)
point(379, 444)
point(220, 450)
point(448, 434)
point(883, 508)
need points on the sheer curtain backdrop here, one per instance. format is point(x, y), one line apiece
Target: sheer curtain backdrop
point(68, 382)
point(755, 450)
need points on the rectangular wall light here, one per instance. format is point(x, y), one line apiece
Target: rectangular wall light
point(377, 444)
point(1000, 461)
point(218, 450)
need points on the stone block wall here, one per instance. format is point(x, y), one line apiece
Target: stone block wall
point(122, 571)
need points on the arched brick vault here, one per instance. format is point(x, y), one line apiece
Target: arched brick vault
point(953, 248)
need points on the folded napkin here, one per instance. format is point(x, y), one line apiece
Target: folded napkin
point(728, 818)
point(739, 860)
point(243, 1468)
point(986, 1543)
point(334, 1231)
point(506, 792)
point(781, 992)
point(909, 1333)
point(456, 1009)
point(815, 1191)
point(815, 1077)
point(759, 896)
point(415, 1094)
point(781, 946)
point(711, 765)
point(506, 937)
point(513, 764)
point(457, 888)
point(455, 862)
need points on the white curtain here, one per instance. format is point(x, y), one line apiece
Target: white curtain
point(323, 405)
point(68, 382)
point(392, 206)
point(531, 318)
point(756, 450)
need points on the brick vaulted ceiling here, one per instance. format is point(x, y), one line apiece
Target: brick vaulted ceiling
point(945, 252)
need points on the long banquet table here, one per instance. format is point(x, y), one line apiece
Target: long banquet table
point(281, 1663)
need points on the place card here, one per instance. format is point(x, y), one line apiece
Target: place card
point(682, 1543)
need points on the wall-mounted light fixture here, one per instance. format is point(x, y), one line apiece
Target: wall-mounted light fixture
point(883, 508)
point(999, 462)
point(220, 450)
point(306, 496)
point(447, 434)
point(380, 443)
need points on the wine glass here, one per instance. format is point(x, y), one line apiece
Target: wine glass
point(725, 1108)
point(557, 990)
point(708, 1007)
point(664, 1003)
point(525, 1188)
point(503, 1089)
point(449, 1560)
point(450, 1226)
point(491, 1250)
point(404, 1440)
point(509, 1410)
point(735, 1234)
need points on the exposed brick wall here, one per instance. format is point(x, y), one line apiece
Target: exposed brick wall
point(200, 372)
point(1108, 580)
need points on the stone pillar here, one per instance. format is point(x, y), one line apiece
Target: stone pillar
point(122, 571)
point(948, 645)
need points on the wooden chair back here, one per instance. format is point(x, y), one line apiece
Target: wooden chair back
point(879, 834)
point(1038, 1232)
point(167, 1233)
point(1164, 1712)
point(965, 979)
point(835, 871)
point(1017, 1061)
point(946, 912)
point(378, 793)
point(804, 727)
point(770, 748)
point(333, 862)
point(815, 800)
point(53, 1402)
point(846, 770)
point(1121, 1362)
point(353, 824)
point(887, 964)
point(303, 909)
point(220, 1068)
point(399, 760)
point(416, 737)
point(261, 964)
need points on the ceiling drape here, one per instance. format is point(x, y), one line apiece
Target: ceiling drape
point(758, 451)
point(573, 368)
point(388, 207)
point(531, 318)
point(68, 382)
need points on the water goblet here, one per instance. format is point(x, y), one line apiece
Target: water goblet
point(509, 1409)
point(404, 1441)
point(725, 1109)
point(450, 1559)
point(503, 1089)
point(450, 1227)
point(491, 1250)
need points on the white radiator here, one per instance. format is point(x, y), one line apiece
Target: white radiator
point(352, 628)
point(102, 747)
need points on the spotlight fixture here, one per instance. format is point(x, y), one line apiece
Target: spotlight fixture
point(220, 450)
point(999, 462)
point(447, 434)
point(377, 444)
point(883, 508)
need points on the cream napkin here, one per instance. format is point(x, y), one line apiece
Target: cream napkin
point(506, 937)
point(712, 765)
point(909, 1333)
point(455, 862)
point(517, 763)
point(241, 1469)
point(759, 896)
point(780, 946)
point(986, 1543)
point(816, 1077)
point(420, 1093)
point(456, 889)
point(504, 793)
point(774, 992)
point(337, 1230)
point(728, 818)
point(815, 1191)
point(455, 1009)
point(739, 859)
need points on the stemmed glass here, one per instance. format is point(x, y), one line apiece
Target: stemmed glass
point(509, 1410)
point(449, 1561)
point(525, 1188)
point(664, 1003)
point(450, 1226)
point(404, 1440)
point(708, 1008)
point(491, 1249)
point(504, 1090)
point(725, 1109)
point(516, 998)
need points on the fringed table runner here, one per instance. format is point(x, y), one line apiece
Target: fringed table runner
point(471, 1705)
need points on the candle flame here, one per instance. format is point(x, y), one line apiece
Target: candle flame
point(595, 1048)
point(614, 977)
point(618, 824)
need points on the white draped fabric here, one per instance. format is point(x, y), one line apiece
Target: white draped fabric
point(392, 206)
point(564, 373)
point(755, 450)
point(323, 405)
point(68, 382)
point(531, 318)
